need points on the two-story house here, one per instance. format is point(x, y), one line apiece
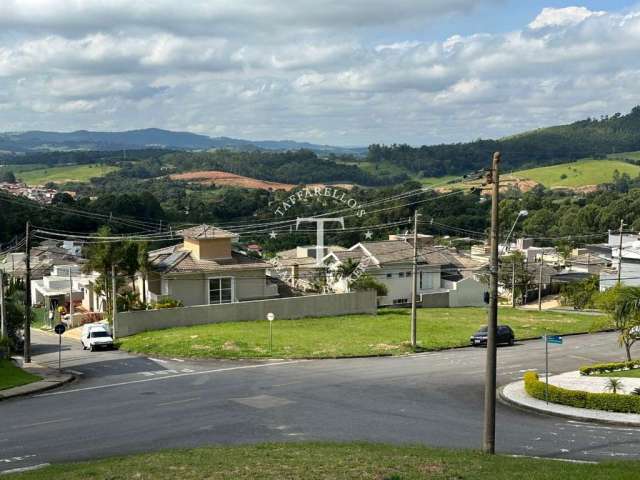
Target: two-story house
point(444, 278)
point(204, 269)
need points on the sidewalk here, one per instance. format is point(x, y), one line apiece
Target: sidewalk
point(514, 394)
point(51, 378)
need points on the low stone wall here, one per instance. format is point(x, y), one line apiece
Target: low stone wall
point(130, 323)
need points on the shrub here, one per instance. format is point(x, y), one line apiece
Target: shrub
point(575, 398)
point(166, 302)
point(609, 367)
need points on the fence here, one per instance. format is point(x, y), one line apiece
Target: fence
point(130, 323)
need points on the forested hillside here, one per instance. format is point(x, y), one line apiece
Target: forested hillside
point(586, 138)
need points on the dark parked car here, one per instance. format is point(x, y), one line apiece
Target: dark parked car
point(504, 334)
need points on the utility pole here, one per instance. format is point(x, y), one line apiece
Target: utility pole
point(3, 317)
point(114, 300)
point(27, 296)
point(414, 279)
point(622, 224)
point(513, 282)
point(70, 297)
point(540, 282)
point(489, 438)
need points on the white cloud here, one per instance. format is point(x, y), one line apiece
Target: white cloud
point(562, 17)
point(308, 70)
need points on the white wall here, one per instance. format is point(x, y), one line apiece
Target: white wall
point(467, 293)
point(129, 323)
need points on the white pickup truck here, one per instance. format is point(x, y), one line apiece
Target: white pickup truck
point(96, 335)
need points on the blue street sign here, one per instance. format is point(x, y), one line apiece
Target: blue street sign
point(557, 339)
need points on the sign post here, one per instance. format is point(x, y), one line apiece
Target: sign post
point(60, 329)
point(557, 340)
point(270, 317)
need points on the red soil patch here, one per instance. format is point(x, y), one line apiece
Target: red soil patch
point(216, 177)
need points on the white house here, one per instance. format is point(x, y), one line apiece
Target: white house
point(65, 282)
point(445, 277)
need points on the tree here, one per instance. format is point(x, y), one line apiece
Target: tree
point(367, 282)
point(523, 278)
point(623, 306)
point(580, 294)
point(7, 176)
point(102, 256)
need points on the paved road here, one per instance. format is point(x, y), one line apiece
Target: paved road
point(123, 404)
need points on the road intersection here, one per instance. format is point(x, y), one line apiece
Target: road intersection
point(123, 403)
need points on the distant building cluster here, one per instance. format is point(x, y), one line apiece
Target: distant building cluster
point(37, 194)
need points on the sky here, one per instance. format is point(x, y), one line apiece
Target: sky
point(339, 72)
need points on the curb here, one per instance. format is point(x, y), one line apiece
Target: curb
point(530, 408)
point(48, 382)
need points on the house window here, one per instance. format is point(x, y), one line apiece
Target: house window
point(400, 301)
point(220, 290)
point(401, 275)
point(389, 275)
point(408, 274)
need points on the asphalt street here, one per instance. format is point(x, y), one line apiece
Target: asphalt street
point(122, 404)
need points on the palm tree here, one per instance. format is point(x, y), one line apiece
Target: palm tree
point(129, 261)
point(613, 385)
point(346, 269)
point(102, 256)
point(623, 304)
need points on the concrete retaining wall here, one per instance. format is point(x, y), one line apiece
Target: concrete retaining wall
point(130, 323)
point(435, 300)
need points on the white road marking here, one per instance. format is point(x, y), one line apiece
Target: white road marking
point(59, 420)
point(24, 469)
point(175, 402)
point(186, 374)
point(568, 460)
point(17, 459)
point(158, 360)
point(75, 372)
point(177, 360)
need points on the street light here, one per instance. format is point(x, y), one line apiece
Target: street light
point(521, 213)
point(270, 317)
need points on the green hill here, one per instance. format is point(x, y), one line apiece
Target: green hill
point(578, 174)
point(545, 146)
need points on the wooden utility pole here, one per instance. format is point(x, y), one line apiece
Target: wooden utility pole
point(622, 224)
point(489, 438)
point(71, 309)
point(27, 295)
point(114, 300)
point(540, 282)
point(414, 278)
point(3, 317)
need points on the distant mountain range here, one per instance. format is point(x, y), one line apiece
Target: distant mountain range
point(21, 142)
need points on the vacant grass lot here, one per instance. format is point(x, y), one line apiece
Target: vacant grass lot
point(350, 335)
point(12, 376)
point(69, 173)
point(315, 461)
point(578, 174)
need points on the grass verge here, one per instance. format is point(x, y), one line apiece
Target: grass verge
point(314, 461)
point(12, 376)
point(635, 373)
point(350, 335)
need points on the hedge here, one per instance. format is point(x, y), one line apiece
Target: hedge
point(610, 402)
point(609, 367)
